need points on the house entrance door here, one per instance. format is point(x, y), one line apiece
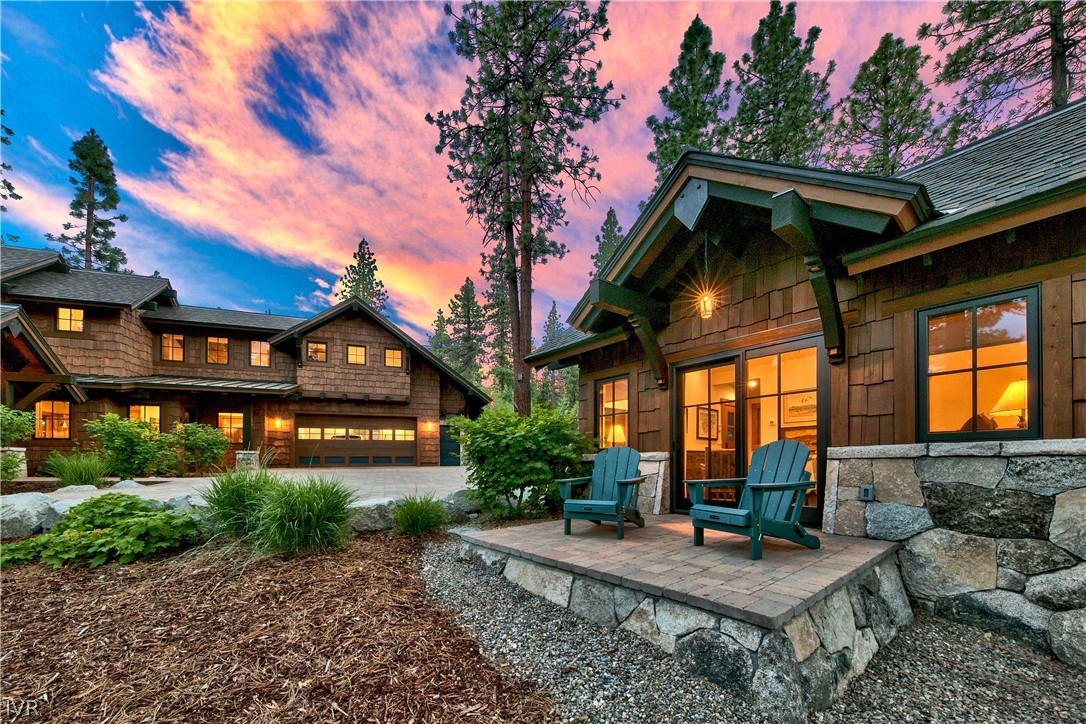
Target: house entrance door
point(707, 429)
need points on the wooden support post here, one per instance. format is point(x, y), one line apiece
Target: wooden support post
point(653, 354)
point(626, 302)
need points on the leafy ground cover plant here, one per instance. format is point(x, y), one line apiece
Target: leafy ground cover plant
point(309, 514)
point(111, 527)
point(236, 496)
point(86, 468)
point(420, 515)
point(515, 460)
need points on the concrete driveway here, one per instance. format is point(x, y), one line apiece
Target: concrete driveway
point(368, 483)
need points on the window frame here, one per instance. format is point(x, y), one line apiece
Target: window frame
point(597, 416)
point(365, 355)
point(326, 351)
point(82, 320)
point(162, 347)
point(398, 350)
point(1033, 367)
point(157, 407)
point(266, 354)
point(67, 429)
point(207, 351)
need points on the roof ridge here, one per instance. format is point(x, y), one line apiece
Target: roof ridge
point(241, 311)
point(995, 135)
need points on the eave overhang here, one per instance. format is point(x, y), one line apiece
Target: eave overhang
point(15, 322)
point(562, 353)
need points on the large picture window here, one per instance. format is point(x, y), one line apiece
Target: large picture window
point(613, 412)
point(979, 360)
point(53, 419)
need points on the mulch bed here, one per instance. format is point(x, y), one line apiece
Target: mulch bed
point(205, 637)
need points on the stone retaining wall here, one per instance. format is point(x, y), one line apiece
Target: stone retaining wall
point(787, 673)
point(654, 495)
point(993, 534)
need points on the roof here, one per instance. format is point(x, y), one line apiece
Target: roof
point(212, 317)
point(115, 289)
point(16, 260)
point(354, 304)
point(1014, 170)
point(15, 321)
point(572, 341)
point(198, 384)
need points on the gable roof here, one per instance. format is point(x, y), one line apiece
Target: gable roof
point(113, 289)
point(354, 304)
point(996, 181)
point(15, 321)
point(16, 261)
point(231, 318)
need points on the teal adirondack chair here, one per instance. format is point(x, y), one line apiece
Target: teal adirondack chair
point(769, 504)
point(612, 490)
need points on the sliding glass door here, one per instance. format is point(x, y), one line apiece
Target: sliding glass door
point(708, 437)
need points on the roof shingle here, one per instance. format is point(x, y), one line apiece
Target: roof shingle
point(94, 287)
point(222, 318)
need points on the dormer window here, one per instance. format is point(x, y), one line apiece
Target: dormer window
point(69, 319)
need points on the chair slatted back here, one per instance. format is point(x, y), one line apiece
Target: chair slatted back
point(613, 464)
point(783, 461)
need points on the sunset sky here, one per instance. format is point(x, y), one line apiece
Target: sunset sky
point(255, 143)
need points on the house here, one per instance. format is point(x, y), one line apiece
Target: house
point(757, 301)
point(344, 387)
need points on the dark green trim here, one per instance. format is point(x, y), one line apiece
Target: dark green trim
point(545, 356)
point(626, 302)
point(653, 354)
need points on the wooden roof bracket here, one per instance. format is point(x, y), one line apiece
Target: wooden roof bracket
point(653, 354)
point(791, 221)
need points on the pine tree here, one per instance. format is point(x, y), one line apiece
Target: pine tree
point(557, 388)
point(887, 121)
point(440, 343)
point(499, 341)
point(7, 189)
point(695, 99)
point(467, 332)
point(95, 185)
point(1013, 59)
point(783, 115)
point(607, 241)
point(360, 279)
point(511, 143)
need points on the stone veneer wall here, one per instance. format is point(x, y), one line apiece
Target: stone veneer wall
point(654, 495)
point(993, 534)
point(787, 673)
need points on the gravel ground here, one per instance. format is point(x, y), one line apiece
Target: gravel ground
point(934, 671)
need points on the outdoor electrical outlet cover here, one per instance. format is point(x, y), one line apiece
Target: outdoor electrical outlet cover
point(867, 492)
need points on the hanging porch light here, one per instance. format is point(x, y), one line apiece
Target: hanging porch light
point(706, 305)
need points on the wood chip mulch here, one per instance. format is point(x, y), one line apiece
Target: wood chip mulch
point(206, 637)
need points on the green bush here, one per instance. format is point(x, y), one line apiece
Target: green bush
point(133, 447)
point(15, 425)
point(113, 526)
point(200, 447)
point(420, 514)
point(10, 464)
point(306, 515)
point(515, 460)
point(85, 468)
point(235, 498)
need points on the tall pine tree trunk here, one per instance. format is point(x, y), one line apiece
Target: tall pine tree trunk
point(1058, 45)
point(509, 273)
point(522, 373)
point(88, 253)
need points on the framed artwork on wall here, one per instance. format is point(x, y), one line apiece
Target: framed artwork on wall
point(708, 424)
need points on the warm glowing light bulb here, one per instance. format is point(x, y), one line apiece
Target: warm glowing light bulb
point(706, 305)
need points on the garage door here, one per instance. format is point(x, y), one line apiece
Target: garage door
point(341, 440)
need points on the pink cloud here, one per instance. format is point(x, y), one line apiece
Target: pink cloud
point(202, 75)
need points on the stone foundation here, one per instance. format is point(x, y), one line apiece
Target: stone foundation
point(993, 534)
point(787, 672)
point(654, 495)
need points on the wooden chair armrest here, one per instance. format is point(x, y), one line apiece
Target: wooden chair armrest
point(632, 481)
point(801, 485)
point(566, 486)
point(698, 487)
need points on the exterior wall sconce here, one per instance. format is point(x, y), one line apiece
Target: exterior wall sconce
point(278, 423)
point(429, 427)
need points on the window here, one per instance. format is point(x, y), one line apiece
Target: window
point(259, 354)
point(232, 424)
point(356, 354)
point(146, 413)
point(393, 358)
point(613, 412)
point(382, 434)
point(358, 434)
point(218, 350)
point(980, 368)
point(309, 433)
point(69, 320)
point(405, 435)
point(335, 433)
point(52, 420)
point(316, 351)
point(173, 347)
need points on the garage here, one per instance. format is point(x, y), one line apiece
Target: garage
point(342, 440)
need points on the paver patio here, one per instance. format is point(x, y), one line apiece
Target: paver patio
point(660, 560)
